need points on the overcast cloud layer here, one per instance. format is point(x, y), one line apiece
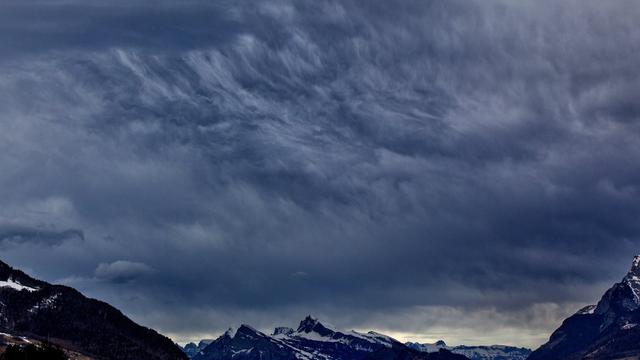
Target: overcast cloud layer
point(430, 169)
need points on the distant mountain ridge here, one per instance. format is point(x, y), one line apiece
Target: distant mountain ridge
point(608, 330)
point(489, 352)
point(312, 341)
point(38, 310)
point(192, 349)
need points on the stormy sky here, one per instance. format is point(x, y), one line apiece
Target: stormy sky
point(466, 170)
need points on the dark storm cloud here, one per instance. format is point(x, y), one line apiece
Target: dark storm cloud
point(34, 27)
point(412, 165)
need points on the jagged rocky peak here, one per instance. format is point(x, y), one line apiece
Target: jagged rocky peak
point(308, 324)
point(633, 276)
point(311, 324)
point(441, 343)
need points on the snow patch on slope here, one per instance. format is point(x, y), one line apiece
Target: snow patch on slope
point(10, 283)
point(587, 310)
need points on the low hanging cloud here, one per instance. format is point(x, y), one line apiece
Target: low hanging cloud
point(14, 235)
point(463, 160)
point(122, 271)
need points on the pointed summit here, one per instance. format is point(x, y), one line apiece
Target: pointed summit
point(635, 266)
point(634, 272)
point(633, 278)
point(311, 324)
point(307, 324)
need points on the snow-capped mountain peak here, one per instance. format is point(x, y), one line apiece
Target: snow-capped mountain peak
point(633, 279)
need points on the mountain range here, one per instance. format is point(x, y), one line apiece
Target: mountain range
point(492, 352)
point(312, 340)
point(324, 342)
point(34, 312)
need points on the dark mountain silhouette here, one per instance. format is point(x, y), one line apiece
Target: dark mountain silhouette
point(62, 315)
point(608, 330)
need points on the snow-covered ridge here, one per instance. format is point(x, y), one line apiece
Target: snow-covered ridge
point(491, 352)
point(10, 283)
point(375, 337)
point(312, 340)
